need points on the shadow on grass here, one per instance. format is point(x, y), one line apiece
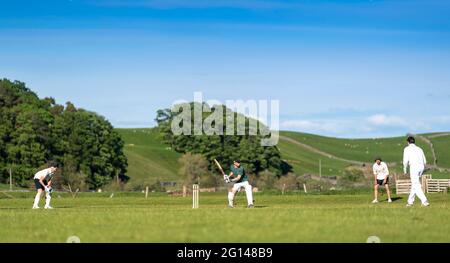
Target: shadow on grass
point(26, 208)
point(245, 208)
point(14, 208)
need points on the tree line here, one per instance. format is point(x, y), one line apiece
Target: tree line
point(34, 131)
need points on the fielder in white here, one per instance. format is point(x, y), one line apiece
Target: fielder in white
point(414, 157)
point(43, 183)
point(240, 180)
point(381, 173)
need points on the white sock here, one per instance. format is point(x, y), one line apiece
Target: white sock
point(37, 199)
point(48, 198)
point(230, 199)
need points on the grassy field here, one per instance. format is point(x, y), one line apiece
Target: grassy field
point(95, 217)
point(4, 187)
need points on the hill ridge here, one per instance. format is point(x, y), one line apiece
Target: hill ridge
point(325, 154)
point(151, 160)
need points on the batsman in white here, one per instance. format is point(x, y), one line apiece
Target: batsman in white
point(240, 180)
point(43, 183)
point(414, 157)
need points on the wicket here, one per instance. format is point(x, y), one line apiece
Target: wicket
point(195, 196)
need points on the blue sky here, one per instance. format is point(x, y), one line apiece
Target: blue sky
point(339, 68)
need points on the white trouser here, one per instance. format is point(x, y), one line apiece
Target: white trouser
point(416, 186)
point(236, 188)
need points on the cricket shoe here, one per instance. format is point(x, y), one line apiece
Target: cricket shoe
point(230, 206)
point(389, 200)
point(426, 204)
point(251, 206)
point(35, 207)
point(375, 201)
point(48, 207)
point(409, 205)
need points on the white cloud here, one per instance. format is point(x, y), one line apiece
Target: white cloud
point(442, 119)
point(412, 124)
point(378, 125)
point(385, 120)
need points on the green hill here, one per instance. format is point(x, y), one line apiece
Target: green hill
point(307, 162)
point(441, 143)
point(362, 150)
point(150, 160)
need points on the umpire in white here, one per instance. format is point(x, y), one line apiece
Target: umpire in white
point(414, 157)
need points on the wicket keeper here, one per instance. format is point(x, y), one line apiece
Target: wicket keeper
point(43, 183)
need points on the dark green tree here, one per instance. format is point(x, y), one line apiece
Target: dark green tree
point(34, 131)
point(224, 148)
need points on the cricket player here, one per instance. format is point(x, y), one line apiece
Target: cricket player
point(43, 183)
point(414, 157)
point(381, 173)
point(240, 179)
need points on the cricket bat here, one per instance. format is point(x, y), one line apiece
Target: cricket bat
point(219, 166)
point(226, 178)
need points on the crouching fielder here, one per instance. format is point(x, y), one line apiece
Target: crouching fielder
point(240, 179)
point(43, 183)
point(414, 157)
point(381, 173)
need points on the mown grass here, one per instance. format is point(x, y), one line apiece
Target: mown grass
point(291, 218)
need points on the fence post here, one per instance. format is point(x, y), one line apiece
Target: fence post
point(304, 188)
point(424, 182)
point(146, 192)
point(320, 168)
point(10, 179)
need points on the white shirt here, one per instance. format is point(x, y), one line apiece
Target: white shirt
point(44, 174)
point(381, 171)
point(414, 157)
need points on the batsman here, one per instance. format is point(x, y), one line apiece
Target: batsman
point(239, 179)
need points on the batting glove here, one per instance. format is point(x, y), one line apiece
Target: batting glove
point(48, 189)
point(226, 178)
